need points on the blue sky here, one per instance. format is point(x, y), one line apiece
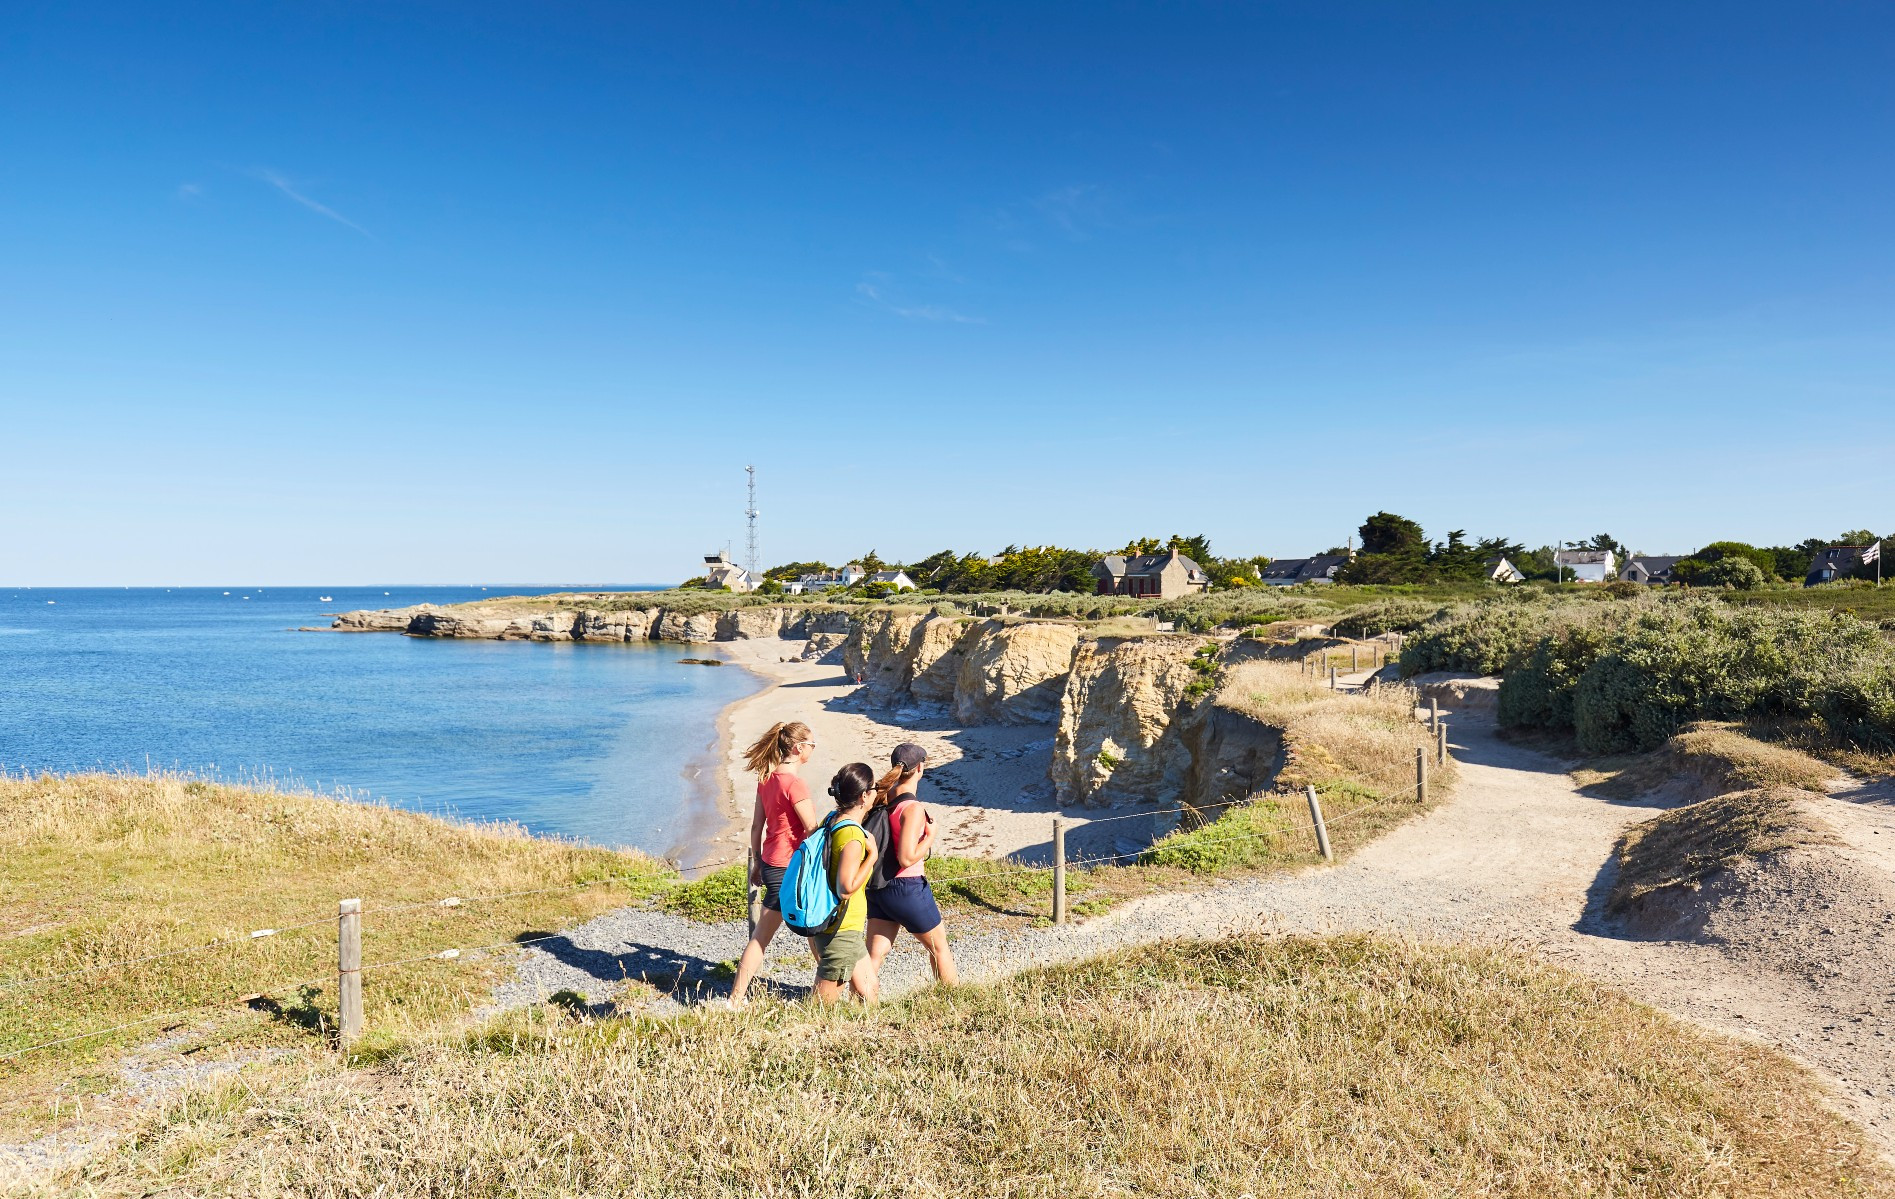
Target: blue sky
point(341, 292)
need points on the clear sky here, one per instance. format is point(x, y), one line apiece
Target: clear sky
point(351, 292)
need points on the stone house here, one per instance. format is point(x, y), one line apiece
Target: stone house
point(1160, 576)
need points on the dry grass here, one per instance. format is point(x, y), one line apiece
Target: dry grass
point(1347, 744)
point(1709, 759)
point(1336, 1067)
point(96, 869)
point(1685, 846)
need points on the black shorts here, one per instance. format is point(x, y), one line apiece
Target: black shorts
point(908, 902)
point(773, 887)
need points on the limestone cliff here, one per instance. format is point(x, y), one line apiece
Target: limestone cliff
point(1013, 673)
point(1114, 740)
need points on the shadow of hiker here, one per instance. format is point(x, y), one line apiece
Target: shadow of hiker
point(682, 977)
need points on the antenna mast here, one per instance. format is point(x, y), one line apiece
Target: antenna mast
point(750, 514)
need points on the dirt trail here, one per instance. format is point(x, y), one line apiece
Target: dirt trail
point(1516, 856)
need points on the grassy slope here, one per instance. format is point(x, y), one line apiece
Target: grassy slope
point(1308, 1067)
point(100, 868)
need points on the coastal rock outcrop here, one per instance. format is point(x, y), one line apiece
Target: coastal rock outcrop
point(381, 620)
point(676, 626)
point(1013, 673)
point(1115, 740)
point(882, 653)
point(744, 624)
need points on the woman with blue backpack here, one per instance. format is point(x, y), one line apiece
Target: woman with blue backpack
point(823, 889)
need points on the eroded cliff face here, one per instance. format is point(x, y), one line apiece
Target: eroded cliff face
point(1115, 739)
point(986, 671)
point(1013, 673)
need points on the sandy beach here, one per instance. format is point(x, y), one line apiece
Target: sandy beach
point(988, 784)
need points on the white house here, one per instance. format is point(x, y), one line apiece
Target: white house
point(721, 572)
point(1589, 566)
point(1502, 571)
point(896, 578)
point(848, 576)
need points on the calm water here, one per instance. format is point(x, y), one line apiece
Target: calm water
point(613, 744)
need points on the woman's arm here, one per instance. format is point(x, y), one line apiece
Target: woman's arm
point(807, 813)
point(858, 861)
point(917, 833)
point(756, 841)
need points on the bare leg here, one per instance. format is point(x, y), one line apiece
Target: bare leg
point(940, 956)
point(866, 980)
point(827, 992)
point(882, 934)
point(752, 960)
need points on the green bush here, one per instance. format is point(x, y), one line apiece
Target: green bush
point(1739, 574)
point(1390, 616)
point(1628, 677)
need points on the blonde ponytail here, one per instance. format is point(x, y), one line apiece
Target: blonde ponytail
point(774, 747)
point(886, 785)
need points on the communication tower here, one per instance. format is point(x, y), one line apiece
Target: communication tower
point(750, 514)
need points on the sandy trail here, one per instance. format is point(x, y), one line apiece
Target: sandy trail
point(1514, 857)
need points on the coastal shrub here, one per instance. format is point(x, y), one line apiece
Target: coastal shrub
point(1627, 677)
point(1391, 616)
point(1485, 638)
point(720, 895)
point(1739, 574)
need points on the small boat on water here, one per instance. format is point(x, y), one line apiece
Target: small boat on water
point(325, 599)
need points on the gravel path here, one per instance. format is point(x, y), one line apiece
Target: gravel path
point(1514, 857)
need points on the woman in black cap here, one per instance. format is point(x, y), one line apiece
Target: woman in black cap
point(899, 895)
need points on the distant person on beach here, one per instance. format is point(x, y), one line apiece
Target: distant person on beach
point(783, 816)
point(900, 895)
point(843, 955)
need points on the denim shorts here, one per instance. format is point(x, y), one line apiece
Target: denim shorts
point(773, 886)
point(908, 902)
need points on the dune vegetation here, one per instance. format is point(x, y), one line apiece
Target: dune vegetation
point(100, 869)
point(1345, 1066)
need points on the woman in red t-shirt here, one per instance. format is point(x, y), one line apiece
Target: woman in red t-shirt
point(782, 818)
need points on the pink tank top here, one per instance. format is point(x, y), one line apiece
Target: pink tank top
point(919, 869)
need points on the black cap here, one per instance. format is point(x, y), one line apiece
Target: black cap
point(908, 756)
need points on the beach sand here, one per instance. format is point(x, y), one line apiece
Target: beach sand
point(988, 784)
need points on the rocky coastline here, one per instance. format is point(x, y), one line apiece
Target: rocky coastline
point(1132, 720)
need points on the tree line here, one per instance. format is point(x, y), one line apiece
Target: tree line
point(1393, 549)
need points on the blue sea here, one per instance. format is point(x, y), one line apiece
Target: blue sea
point(612, 744)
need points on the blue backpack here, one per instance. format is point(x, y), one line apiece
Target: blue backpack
point(808, 896)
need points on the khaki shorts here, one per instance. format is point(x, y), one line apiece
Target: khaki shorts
point(839, 952)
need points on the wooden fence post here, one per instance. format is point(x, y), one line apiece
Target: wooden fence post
point(1059, 870)
point(1322, 830)
point(1441, 744)
point(1355, 658)
point(349, 967)
point(1332, 678)
point(1434, 712)
point(1421, 775)
point(755, 913)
